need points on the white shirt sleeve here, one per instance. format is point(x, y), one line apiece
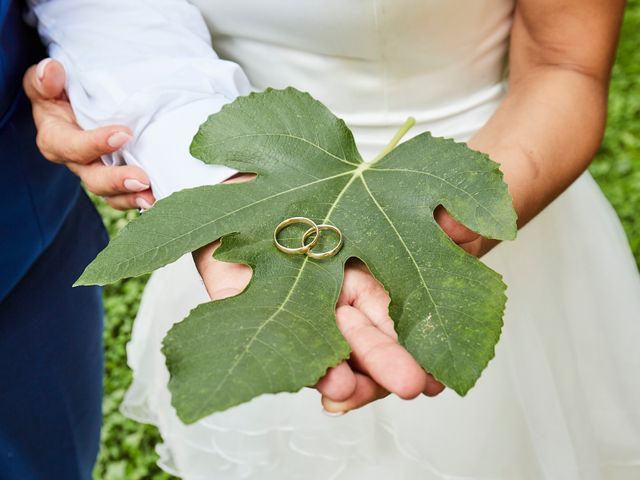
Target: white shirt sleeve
point(147, 64)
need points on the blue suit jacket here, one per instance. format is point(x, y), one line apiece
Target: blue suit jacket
point(35, 195)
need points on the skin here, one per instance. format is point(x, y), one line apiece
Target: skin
point(61, 140)
point(544, 135)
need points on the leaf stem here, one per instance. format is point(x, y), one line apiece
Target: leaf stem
point(410, 122)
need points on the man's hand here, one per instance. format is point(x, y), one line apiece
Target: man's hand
point(61, 140)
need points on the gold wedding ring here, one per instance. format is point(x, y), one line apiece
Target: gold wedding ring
point(304, 248)
point(307, 248)
point(328, 253)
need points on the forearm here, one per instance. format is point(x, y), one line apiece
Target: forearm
point(545, 134)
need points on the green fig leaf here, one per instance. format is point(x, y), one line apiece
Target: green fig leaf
point(280, 334)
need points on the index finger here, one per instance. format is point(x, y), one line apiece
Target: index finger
point(63, 141)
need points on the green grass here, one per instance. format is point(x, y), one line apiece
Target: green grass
point(617, 166)
point(128, 447)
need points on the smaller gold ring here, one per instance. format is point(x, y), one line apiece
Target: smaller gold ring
point(305, 247)
point(328, 253)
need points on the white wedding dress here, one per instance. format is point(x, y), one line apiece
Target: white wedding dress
point(561, 399)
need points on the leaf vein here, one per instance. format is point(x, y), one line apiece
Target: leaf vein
point(417, 267)
point(444, 180)
point(287, 135)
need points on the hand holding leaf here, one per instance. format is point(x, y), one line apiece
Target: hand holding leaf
point(280, 334)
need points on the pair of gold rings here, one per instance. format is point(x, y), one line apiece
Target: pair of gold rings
point(307, 248)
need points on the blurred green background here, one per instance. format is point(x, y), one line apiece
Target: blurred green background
point(127, 450)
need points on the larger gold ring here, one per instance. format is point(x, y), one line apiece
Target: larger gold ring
point(328, 253)
point(305, 247)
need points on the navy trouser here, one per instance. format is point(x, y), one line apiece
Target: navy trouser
point(51, 360)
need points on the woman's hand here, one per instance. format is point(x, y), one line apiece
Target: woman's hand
point(378, 364)
point(61, 140)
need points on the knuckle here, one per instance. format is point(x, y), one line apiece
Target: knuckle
point(42, 140)
point(92, 187)
point(113, 180)
point(95, 145)
point(118, 203)
point(343, 311)
point(43, 144)
point(72, 155)
point(79, 148)
point(66, 152)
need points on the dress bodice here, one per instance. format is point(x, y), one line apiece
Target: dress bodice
point(373, 62)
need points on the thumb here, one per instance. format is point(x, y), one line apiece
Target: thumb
point(45, 81)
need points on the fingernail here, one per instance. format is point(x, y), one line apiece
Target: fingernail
point(142, 203)
point(134, 185)
point(41, 68)
point(332, 414)
point(118, 139)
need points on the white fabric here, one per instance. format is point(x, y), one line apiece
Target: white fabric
point(561, 399)
point(147, 64)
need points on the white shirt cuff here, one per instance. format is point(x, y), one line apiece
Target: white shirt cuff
point(164, 144)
